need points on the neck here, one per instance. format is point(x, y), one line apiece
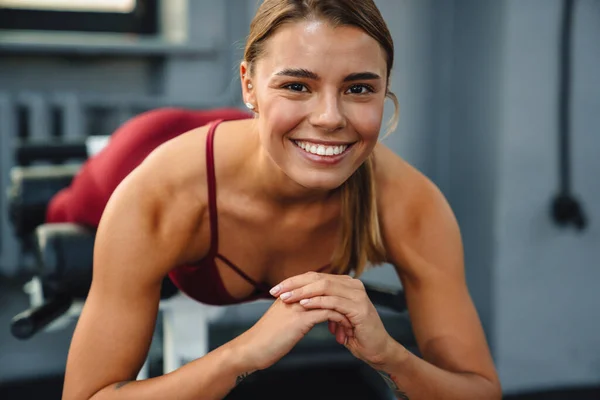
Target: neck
point(271, 184)
point(280, 188)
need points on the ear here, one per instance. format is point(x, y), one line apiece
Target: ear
point(247, 84)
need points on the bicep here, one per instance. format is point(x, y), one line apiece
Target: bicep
point(116, 325)
point(430, 263)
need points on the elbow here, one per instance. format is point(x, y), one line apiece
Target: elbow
point(73, 396)
point(81, 394)
point(497, 391)
point(492, 389)
point(483, 387)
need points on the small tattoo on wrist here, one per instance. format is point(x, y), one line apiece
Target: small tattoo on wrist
point(121, 384)
point(241, 378)
point(390, 380)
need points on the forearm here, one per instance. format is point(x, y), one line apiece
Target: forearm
point(411, 377)
point(210, 377)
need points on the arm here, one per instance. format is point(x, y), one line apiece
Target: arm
point(422, 240)
point(137, 243)
point(428, 256)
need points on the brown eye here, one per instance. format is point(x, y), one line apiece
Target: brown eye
point(360, 89)
point(296, 87)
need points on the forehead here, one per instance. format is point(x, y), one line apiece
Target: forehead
point(317, 46)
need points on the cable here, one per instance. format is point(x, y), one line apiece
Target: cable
point(564, 99)
point(566, 209)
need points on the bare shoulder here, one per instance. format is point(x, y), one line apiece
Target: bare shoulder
point(171, 187)
point(167, 194)
point(418, 225)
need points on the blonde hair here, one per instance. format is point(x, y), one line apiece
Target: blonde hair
point(360, 240)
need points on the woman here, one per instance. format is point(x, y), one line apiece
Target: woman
point(309, 174)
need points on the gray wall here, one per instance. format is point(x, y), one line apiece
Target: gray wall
point(477, 83)
point(467, 52)
point(547, 279)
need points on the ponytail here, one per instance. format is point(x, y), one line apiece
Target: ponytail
point(360, 236)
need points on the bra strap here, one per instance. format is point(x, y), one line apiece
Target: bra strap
point(212, 188)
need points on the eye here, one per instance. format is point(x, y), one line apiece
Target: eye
point(296, 87)
point(360, 89)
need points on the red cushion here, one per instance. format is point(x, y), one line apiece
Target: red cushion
point(84, 201)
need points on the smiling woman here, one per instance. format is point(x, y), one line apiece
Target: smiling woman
point(307, 198)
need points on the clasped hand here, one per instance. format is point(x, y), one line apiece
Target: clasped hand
point(366, 338)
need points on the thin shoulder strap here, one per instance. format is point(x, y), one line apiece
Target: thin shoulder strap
point(212, 188)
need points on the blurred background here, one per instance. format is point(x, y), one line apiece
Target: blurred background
point(500, 107)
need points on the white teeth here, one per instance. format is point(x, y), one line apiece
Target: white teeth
point(321, 150)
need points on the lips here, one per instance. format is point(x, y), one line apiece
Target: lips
point(321, 149)
point(323, 154)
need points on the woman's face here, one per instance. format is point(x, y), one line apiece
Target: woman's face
point(319, 93)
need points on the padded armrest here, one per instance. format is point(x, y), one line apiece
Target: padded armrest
point(66, 254)
point(31, 190)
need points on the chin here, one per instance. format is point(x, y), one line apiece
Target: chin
point(320, 180)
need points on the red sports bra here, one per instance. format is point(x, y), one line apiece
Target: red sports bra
point(201, 280)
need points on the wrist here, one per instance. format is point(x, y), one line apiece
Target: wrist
point(393, 358)
point(239, 359)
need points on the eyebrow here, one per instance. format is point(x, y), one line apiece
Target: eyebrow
point(304, 73)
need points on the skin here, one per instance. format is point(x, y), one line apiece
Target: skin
point(158, 218)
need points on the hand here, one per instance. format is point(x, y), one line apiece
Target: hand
point(279, 330)
point(317, 291)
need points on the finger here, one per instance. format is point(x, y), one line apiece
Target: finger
point(301, 280)
point(340, 335)
point(321, 287)
point(321, 315)
point(349, 332)
point(344, 306)
point(332, 327)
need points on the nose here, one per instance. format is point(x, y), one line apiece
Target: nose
point(328, 113)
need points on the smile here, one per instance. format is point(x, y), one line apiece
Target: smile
point(321, 149)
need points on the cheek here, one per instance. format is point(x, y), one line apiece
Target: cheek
point(367, 121)
point(281, 117)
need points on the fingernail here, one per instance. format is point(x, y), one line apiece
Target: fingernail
point(275, 290)
point(304, 301)
point(285, 296)
point(346, 341)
